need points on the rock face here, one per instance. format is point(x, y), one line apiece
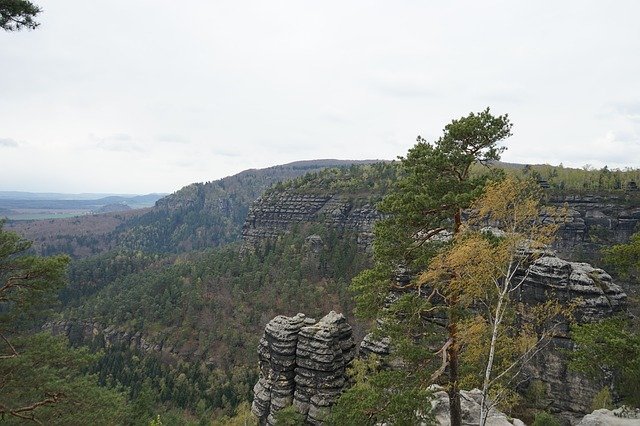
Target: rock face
point(86, 331)
point(470, 406)
point(595, 297)
point(277, 213)
point(617, 417)
point(302, 363)
point(595, 221)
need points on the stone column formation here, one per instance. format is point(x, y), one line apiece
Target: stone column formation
point(302, 363)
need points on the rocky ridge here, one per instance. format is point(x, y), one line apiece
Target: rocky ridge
point(593, 221)
point(277, 213)
point(87, 331)
point(302, 363)
point(595, 296)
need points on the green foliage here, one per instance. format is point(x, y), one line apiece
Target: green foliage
point(18, 14)
point(241, 417)
point(157, 421)
point(205, 215)
point(602, 399)
point(375, 179)
point(611, 345)
point(546, 419)
point(48, 369)
point(624, 258)
point(87, 276)
point(536, 394)
point(289, 416)
point(398, 397)
point(207, 306)
point(586, 179)
point(188, 385)
point(28, 284)
point(435, 184)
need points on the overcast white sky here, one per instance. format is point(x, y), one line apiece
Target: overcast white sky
point(139, 96)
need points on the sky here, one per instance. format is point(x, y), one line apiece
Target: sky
point(140, 96)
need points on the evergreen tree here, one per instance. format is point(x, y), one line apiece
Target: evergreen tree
point(436, 184)
point(18, 14)
point(28, 285)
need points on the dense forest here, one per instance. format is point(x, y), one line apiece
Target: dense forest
point(445, 287)
point(175, 335)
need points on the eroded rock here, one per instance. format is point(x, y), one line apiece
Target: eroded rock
point(302, 363)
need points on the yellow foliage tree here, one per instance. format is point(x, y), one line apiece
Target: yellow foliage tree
point(483, 269)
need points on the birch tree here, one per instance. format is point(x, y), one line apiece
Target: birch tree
point(484, 268)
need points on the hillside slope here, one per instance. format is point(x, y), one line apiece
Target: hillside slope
point(198, 216)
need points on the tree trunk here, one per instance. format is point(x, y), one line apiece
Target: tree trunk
point(454, 393)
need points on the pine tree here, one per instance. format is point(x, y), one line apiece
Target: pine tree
point(435, 186)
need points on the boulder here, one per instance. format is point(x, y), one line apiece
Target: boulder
point(617, 417)
point(470, 407)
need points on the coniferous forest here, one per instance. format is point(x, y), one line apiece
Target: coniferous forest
point(453, 285)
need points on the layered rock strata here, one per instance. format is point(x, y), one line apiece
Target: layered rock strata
point(302, 363)
point(593, 221)
point(277, 213)
point(594, 296)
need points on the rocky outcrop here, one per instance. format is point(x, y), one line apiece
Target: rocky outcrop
point(617, 417)
point(470, 407)
point(302, 363)
point(87, 331)
point(595, 221)
point(595, 296)
point(277, 213)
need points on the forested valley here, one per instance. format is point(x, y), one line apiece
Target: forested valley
point(150, 336)
point(474, 280)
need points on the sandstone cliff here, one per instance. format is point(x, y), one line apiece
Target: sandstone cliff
point(593, 221)
point(595, 296)
point(277, 213)
point(302, 363)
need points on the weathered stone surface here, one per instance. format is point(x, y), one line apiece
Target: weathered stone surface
point(595, 296)
point(277, 213)
point(302, 362)
point(593, 221)
point(470, 404)
point(617, 417)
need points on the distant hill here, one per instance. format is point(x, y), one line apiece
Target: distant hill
point(115, 207)
point(40, 202)
point(200, 215)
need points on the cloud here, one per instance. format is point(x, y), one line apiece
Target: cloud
point(628, 110)
point(118, 142)
point(8, 143)
point(405, 90)
point(169, 138)
point(225, 153)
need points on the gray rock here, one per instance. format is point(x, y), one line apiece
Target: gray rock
point(470, 405)
point(603, 417)
point(302, 363)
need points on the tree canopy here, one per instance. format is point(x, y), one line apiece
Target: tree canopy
point(423, 212)
point(18, 14)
